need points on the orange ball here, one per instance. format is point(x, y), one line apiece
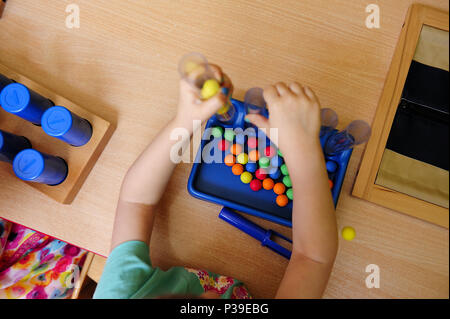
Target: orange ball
point(236, 149)
point(229, 160)
point(282, 200)
point(268, 183)
point(330, 182)
point(253, 156)
point(237, 169)
point(279, 188)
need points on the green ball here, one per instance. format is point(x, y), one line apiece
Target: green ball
point(284, 169)
point(229, 135)
point(279, 153)
point(287, 181)
point(217, 131)
point(264, 162)
point(290, 194)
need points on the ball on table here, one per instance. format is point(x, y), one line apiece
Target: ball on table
point(237, 169)
point(287, 181)
point(279, 188)
point(264, 162)
point(255, 185)
point(290, 194)
point(229, 160)
point(270, 151)
point(268, 184)
point(253, 155)
point(260, 174)
point(246, 177)
point(284, 169)
point(217, 131)
point(229, 135)
point(276, 161)
point(275, 174)
point(251, 167)
point(242, 158)
point(236, 149)
point(279, 153)
point(224, 145)
point(282, 200)
point(348, 233)
point(252, 142)
point(209, 89)
point(240, 139)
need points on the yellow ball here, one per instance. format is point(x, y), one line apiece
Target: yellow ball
point(348, 233)
point(246, 177)
point(242, 158)
point(210, 88)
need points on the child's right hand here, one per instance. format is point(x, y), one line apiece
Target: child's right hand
point(295, 111)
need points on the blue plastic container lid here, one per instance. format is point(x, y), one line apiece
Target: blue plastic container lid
point(1, 140)
point(28, 164)
point(56, 121)
point(14, 97)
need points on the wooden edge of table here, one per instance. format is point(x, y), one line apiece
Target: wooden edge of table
point(365, 186)
point(83, 274)
point(80, 160)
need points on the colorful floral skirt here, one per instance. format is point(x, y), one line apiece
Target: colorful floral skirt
point(36, 266)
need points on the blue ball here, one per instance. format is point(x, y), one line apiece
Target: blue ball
point(275, 174)
point(331, 166)
point(276, 161)
point(240, 139)
point(251, 167)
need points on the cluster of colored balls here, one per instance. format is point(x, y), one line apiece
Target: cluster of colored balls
point(260, 168)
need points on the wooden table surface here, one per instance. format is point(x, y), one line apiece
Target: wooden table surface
point(122, 65)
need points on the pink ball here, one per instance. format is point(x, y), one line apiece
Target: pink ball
point(252, 142)
point(260, 174)
point(255, 185)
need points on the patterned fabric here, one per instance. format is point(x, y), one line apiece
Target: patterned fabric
point(220, 284)
point(36, 266)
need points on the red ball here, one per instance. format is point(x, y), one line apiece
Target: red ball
point(270, 151)
point(260, 174)
point(224, 145)
point(255, 185)
point(252, 142)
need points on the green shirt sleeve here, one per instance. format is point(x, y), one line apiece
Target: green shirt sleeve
point(128, 273)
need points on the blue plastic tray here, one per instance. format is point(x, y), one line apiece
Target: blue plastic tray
point(216, 183)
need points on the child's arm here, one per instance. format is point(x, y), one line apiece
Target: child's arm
point(146, 180)
point(295, 111)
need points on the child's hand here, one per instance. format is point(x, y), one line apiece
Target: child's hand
point(191, 107)
point(295, 111)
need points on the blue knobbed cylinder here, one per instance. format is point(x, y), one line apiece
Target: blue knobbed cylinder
point(19, 100)
point(59, 122)
point(34, 166)
point(10, 145)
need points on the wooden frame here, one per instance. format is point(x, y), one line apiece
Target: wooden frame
point(79, 159)
point(365, 187)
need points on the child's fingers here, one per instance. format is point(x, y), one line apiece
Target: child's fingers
point(258, 120)
point(187, 91)
point(295, 88)
point(282, 88)
point(310, 93)
point(270, 93)
point(212, 105)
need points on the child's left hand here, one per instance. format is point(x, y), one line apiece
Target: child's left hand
point(190, 105)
